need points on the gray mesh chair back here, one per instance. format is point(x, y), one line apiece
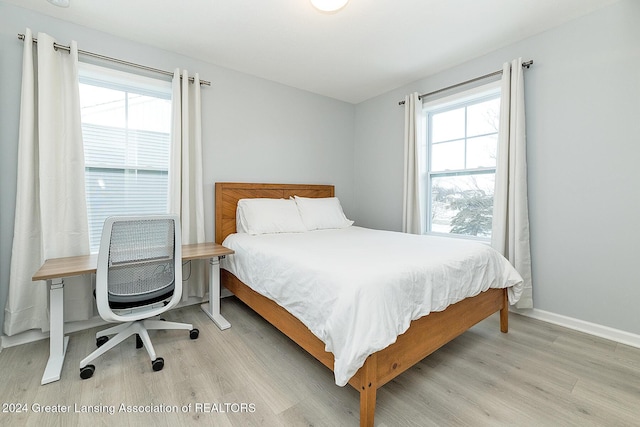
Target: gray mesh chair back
point(141, 262)
point(139, 265)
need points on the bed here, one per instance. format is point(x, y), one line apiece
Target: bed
point(423, 336)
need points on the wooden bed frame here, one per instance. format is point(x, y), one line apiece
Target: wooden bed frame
point(424, 336)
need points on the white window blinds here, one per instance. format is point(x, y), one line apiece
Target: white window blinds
point(126, 126)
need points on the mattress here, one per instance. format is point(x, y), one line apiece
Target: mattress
point(358, 289)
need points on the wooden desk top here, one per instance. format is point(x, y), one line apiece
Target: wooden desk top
point(203, 251)
point(64, 267)
point(74, 266)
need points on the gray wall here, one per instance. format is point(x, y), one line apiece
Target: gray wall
point(253, 129)
point(583, 133)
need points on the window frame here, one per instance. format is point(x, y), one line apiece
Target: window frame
point(128, 83)
point(476, 95)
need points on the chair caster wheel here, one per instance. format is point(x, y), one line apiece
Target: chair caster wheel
point(194, 333)
point(87, 372)
point(158, 364)
point(139, 343)
point(100, 341)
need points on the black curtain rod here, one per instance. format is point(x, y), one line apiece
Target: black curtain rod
point(117, 61)
point(526, 64)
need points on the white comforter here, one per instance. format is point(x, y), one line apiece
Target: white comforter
point(358, 289)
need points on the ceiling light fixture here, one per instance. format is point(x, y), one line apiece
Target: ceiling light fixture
point(329, 5)
point(59, 3)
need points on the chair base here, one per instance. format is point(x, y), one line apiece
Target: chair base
point(124, 331)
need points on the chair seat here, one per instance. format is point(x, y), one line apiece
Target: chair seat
point(128, 303)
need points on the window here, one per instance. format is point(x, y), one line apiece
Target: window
point(126, 127)
point(461, 142)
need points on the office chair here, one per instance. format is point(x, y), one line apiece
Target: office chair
point(138, 276)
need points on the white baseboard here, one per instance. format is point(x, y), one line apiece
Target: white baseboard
point(36, 335)
point(71, 327)
point(605, 332)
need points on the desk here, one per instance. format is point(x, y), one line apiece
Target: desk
point(53, 271)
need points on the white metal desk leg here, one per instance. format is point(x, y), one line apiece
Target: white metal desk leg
point(57, 341)
point(212, 308)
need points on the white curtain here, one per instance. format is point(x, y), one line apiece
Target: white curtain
point(51, 214)
point(412, 218)
point(185, 174)
point(510, 228)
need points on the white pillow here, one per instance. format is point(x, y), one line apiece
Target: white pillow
point(262, 216)
point(322, 213)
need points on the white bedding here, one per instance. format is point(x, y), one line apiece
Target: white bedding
point(357, 289)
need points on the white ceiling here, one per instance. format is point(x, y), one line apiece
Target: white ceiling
point(367, 48)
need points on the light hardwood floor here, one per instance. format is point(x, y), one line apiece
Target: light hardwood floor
point(536, 375)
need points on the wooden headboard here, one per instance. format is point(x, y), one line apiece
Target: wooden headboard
point(228, 194)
